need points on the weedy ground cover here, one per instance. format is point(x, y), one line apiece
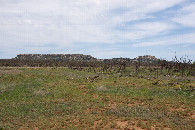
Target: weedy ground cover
point(61, 98)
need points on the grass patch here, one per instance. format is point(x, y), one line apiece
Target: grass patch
point(48, 98)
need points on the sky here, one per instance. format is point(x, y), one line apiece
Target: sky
point(101, 28)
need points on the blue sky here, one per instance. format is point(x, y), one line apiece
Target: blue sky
point(101, 28)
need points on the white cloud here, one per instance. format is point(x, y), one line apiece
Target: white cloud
point(147, 29)
point(187, 20)
point(177, 39)
point(186, 16)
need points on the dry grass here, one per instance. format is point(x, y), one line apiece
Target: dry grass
point(9, 71)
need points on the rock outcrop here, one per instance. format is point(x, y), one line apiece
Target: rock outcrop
point(146, 58)
point(63, 57)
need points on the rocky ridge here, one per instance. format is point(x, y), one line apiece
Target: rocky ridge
point(81, 57)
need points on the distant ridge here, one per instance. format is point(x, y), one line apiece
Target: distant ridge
point(81, 57)
point(64, 57)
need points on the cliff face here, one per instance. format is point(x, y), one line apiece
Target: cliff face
point(64, 57)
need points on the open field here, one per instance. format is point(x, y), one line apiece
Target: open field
point(62, 98)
